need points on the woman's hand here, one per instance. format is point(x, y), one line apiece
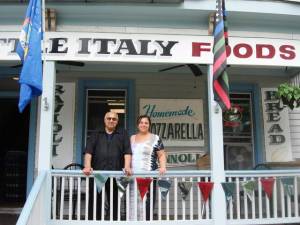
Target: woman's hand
point(162, 171)
point(87, 171)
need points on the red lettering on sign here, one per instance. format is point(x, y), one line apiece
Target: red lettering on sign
point(238, 47)
point(287, 52)
point(260, 54)
point(199, 47)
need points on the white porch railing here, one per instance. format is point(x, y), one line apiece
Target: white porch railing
point(70, 194)
point(70, 197)
point(34, 210)
point(280, 209)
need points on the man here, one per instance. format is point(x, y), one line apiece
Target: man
point(108, 149)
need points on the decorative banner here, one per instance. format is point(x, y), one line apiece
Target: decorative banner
point(276, 127)
point(268, 184)
point(143, 185)
point(205, 188)
point(100, 181)
point(184, 188)
point(178, 122)
point(288, 185)
point(249, 187)
point(63, 125)
point(122, 183)
point(164, 186)
point(229, 190)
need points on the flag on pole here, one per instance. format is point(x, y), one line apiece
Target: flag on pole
point(30, 52)
point(220, 77)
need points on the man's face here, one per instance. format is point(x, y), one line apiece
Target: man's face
point(111, 121)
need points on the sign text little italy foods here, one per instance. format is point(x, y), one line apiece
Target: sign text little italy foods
point(122, 47)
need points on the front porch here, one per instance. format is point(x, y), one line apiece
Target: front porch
point(61, 197)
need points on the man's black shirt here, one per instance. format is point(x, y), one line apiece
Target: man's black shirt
point(108, 150)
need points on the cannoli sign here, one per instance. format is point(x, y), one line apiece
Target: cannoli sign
point(179, 122)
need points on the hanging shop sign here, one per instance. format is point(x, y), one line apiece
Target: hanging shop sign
point(63, 127)
point(122, 47)
point(276, 127)
point(179, 122)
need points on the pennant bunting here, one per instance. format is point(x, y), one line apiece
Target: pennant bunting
point(288, 185)
point(143, 185)
point(184, 188)
point(220, 77)
point(122, 183)
point(205, 188)
point(249, 187)
point(164, 186)
point(229, 190)
point(268, 184)
point(100, 181)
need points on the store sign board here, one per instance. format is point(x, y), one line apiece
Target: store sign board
point(121, 47)
point(179, 122)
point(276, 127)
point(63, 128)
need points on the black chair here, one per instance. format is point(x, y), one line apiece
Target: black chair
point(67, 190)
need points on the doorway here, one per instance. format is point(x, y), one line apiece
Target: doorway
point(14, 133)
point(101, 101)
point(238, 133)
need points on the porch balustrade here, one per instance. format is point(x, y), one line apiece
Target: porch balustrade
point(70, 195)
point(257, 207)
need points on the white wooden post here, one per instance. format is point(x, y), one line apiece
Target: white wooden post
point(216, 154)
point(46, 117)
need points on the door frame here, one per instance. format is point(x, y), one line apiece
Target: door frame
point(257, 125)
point(83, 85)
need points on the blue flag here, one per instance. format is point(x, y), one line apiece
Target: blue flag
point(30, 52)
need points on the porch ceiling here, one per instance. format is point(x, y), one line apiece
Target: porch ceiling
point(260, 16)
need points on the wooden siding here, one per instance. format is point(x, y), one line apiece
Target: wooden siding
point(295, 132)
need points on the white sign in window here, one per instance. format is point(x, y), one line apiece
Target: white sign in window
point(178, 122)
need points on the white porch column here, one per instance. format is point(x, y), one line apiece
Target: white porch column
point(46, 117)
point(216, 154)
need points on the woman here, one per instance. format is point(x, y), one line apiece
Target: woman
point(147, 149)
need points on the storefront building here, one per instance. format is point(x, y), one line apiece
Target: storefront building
point(133, 57)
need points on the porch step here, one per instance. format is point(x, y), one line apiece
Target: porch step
point(10, 211)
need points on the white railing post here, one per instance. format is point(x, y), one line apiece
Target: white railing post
point(216, 154)
point(46, 132)
point(46, 117)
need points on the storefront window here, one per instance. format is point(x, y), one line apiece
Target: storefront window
point(101, 101)
point(238, 132)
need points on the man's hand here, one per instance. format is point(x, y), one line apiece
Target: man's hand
point(128, 171)
point(87, 171)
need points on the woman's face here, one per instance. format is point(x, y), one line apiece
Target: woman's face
point(144, 125)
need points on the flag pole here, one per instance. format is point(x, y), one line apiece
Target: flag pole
point(43, 28)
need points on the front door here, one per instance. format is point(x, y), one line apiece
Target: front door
point(238, 133)
point(14, 133)
point(100, 101)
